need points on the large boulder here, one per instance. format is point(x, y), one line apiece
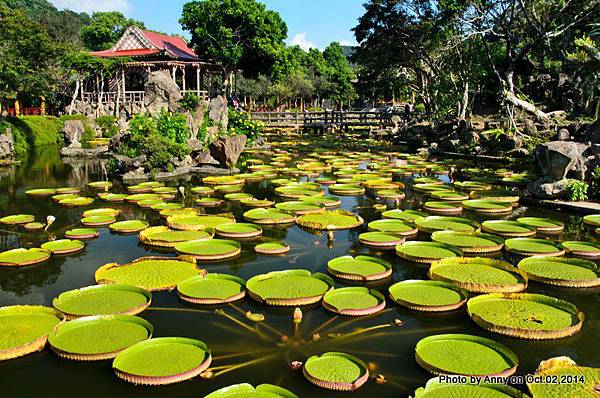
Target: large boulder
point(549, 190)
point(73, 131)
point(227, 150)
point(559, 159)
point(161, 92)
point(218, 112)
point(7, 145)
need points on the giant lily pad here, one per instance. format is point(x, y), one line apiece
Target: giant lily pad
point(450, 196)
point(165, 237)
point(426, 252)
point(465, 354)
point(408, 216)
point(479, 275)
point(98, 221)
point(41, 192)
point(268, 216)
point(113, 197)
point(248, 391)
point(508, 229)
point(470, 242)
point(572, 380)
point(162, 361)
point(97, 338)
point(582, 249)
point(63, 246)
point(79, 201)
point(203, 191)
point(428, 296)
point(543, 225)
point(441, 207)
point(24, 329)
point(129, 226)
point(197, 223)
point(272, 248)
point(354, 301)
point(567, 272)
point(327, 201)
point(395, 227)
point(488, 206)
point(22, 257)
point(330, 220)
point(526, 316)
point(209, 202)
point(593, 220)
point(238, 231)
point(223, 180)
point(336, 371)
point(359, 268)
point(212, 289)
point(151, 273)
point(103, 300)
point(299, 208)
point(381, 240)
point(289, 288)
point(102, 212)
point(501, 195)
point(207, 250)
point(533, 247)
point(436, 389)
point(17, 219)
point(347, 189)
point(100, 185)
point(440, 223)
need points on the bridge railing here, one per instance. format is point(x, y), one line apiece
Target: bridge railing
point(326, 118)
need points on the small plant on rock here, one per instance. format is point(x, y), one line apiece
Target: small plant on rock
point(577, 190)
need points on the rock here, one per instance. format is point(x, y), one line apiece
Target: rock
point(73, 131)
point(116, 140)
point(469, 137)
point(518, 153)
point(548, 190)
point(530, 128)
point(194, 145)
point(227, 150)
point(7, 145)
point(449, 145)
point(204, 158)
point(559, 159)
point(417, 141)
point(196, 119)
point(592, 133)
point(218, 112)
point(161, 92)
point(563, 135)
point(507, 143)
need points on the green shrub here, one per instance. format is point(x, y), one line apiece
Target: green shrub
point(419, 108)
point(173, 126)
point(108, 125)
point(577, 190)
point(190, 102)
point(240, 123)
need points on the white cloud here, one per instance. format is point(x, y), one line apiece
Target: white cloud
point(301, 39)
point(91, 6)
point(347, 43)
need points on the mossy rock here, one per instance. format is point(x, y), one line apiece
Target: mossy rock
point(98, 338)
point(543, 225)
point(426, 252)
point(441, 223)
point(408, 216)
point(428, 296)
point(162, 361)
point(129, 226)
point(188, 222)
point(268, 217)
point(589, 250)
point(436, 389)
point(359, 268)
point(98, 221)
point(23, 257)
point(209, 250)
point(354, 301)
point(533, 247)
point(41, 192)
point(238, 231)
point(574, 380)
point(558, 271)
point(330, 220)
point(248, 391)
point(63, 246)
point(17, 219)
point(24, 329)
point(392, 226)
point(479, 275)
point(508, 229)
point(464, 354)
point(336, 371)
point(289, 288)
point(272, 248)
point(381, 240)
point(102, 300)
point(165, 237)
point(212, 289)
point(150, 273)
point(525, 316)
point(487, 206)
point(470, 242)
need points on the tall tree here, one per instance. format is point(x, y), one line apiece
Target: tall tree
point(340, 74)
point(239, 34)
point(105, 29)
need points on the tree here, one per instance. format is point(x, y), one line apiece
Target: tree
point(340, 74)
point(105, 29)
point(239, 34)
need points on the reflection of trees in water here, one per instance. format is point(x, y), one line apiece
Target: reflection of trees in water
point(20, 280)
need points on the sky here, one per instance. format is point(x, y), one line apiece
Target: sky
point(311, 23)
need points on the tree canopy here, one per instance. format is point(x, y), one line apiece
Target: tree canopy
point(105, 28)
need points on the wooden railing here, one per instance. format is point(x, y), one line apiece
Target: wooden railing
point(129, 97)
point(25, 112)
point(331, 118)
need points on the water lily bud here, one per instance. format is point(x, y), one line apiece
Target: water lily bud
point(207, 374)
point(295, 365)
point(297, 315)
point(398, 322)
point(316, 336)
point(380, 379)
point(182, 190)
point(255, 317)
point(50, 220)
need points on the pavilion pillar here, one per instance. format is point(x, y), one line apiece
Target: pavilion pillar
point(174, 74)
point(183, 79)
point(197, 81)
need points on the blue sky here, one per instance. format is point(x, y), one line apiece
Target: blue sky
point(311, 23)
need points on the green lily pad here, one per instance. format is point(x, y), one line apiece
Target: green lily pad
point(471, 186)
point(441, 223)
point(22, 257)
point(113, 197)
point(41, 192)
point(98, 221)
point(150, 202)
point(272, 248)
point(223, 180)
point(381, 240)
point(237, 197)
point(428, 296)
point(79, 201)
point(248, 391)
point(108, 212)
point(212, 289)
point(479, 275)
point(268, 216)
point(63, 246)
point(336, 371)
point(214, 249)
point(408, 216)
point(167, 206)
point(165, 237)
point(545, 225)
point(464, 354)
point(64, 196)
point(67, 190)
point(533, 247)
point(395, 227)
point(582, 249)
point(203, 191)
point(103, 300)
point(429, 188)
point(151, 273)
point(129, 226)
point(470, 242)
point(289, 288)
point(442, 207)
point(100, 184)
point(488, 206)
point(298, 208)
point(330, 220)
point(359, 268)
point(526, 316)
point(327, 201)
point(24, 329)
point(98, 338)
point(34, 226)
point(426, 252)
point(579, 381)
point(502, 195)
point(347, 189)
point(238, 230)
point(17, 219)
point(142, 196)
point(593, 220)
point(450, 196)
point(354, 301)
point(558, 271)
point(507, 228)
point(161, 361)
point(209, 202)
point(196, 223)
point(436, 389)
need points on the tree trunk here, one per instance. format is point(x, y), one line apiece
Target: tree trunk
point(512, 99)
point(74, 97)
point(464, 104)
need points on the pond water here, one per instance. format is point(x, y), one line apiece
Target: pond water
point(390, 349)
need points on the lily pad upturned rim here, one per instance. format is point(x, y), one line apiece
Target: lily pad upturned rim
point(34, 345)
point(408, 216)
point(41, 192)
point(287, 302)
point(529, 334)
point(146, 238)
point(442, 207)
point(244, 230)
point(347, 189)
point(211, 301)
point(161, 380)
point(573, 283)
point(105, 211)
point(424, 258)
point(333, 385)
point(81, 322)
point(129, 226)
point(496, 246)
point(560, 366)
point(354, 311)
point(268, 217)
point(249, 391)
point(591, 254)
point(501, 349)
point(17, 219)
point(368, 239)
point(475, 287)
point(98, 221)
point(298, 207)
point(509, 245)
point(209, 202)
point(490, 227)
point(493, 206)
point(429, 308)
point(434, 386)
point(386, 225)
point(40, 256)
point(58, 301)
point(272, 248)
point(304, 221)
point(331, 268)
point(190, 248)
point(557, 226)
point(423, 224)
point(592, 220)
point(63, 246)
